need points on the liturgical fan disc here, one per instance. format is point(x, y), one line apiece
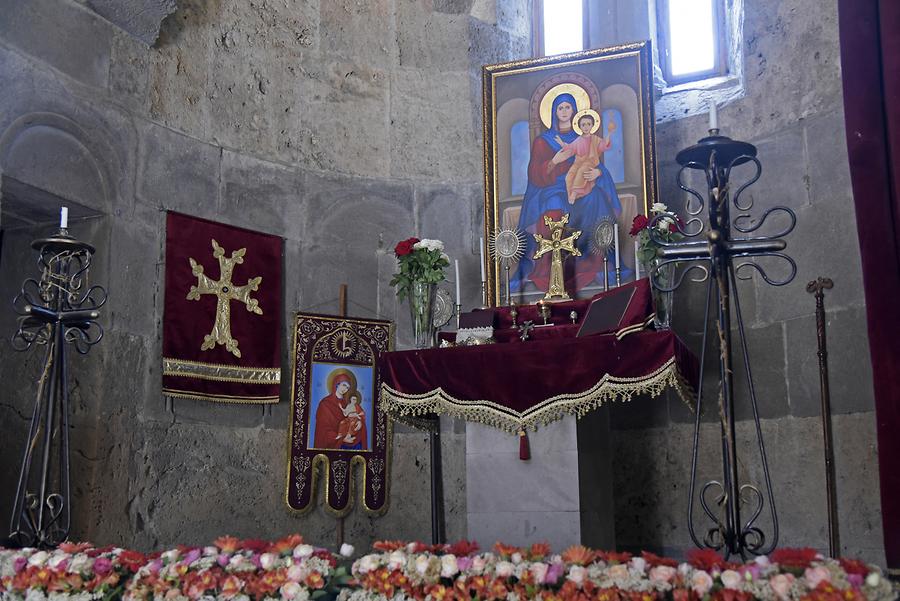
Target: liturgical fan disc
point(442, 310)
point(602, 236)
point(507, 245)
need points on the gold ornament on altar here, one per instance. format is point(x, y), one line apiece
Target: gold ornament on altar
point(225, 292)
point(556, 245)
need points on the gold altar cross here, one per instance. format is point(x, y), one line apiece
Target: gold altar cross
point(556, 244)
point(226, 292)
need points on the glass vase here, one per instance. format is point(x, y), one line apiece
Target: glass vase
point(421, 301)
point(662, 276)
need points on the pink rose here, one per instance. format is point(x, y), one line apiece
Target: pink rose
point(618, 571)
point(539, 571)
point(781, 584)
point(701, 582)
point(552, 576)
point(19, 564)
point(816, 575)
point(102, 566)
point(662, 574)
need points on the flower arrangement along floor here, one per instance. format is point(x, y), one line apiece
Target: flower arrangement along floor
point(244, 570)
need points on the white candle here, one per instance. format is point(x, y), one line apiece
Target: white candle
point(713, 116)
point(456, 267)
point(616, 243)
point(64, 218)
point(481, 254)
point(637, 263)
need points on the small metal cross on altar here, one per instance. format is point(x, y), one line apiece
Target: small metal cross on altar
point(226, 292)
point(556, 244)
point(525, 330)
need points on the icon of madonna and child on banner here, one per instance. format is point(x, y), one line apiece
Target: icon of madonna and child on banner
point(335, 418)
point(568, 137)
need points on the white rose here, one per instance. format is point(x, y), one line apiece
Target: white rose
point(366, 564)
point(289, 590)
point(301, 551)
point(659, 207)
point(576, 574)
point(639, 564)
point(445, 257)
point(170, 555)
point(422, 564)
point(38, 559)
point(267, 560)
point(210, 551)
point(730, 579)
point(504, 569)
point(664, 224)
point(873, 580)
point(56, 560)
point(81, 563)
point(346, 550)
point(235, 561)
point(516, 558)
point(762, 561)
point(449, 566)
point(396, 560)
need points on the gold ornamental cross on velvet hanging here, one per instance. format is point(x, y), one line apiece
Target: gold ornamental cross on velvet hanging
point(556, 245)
point(226, 292)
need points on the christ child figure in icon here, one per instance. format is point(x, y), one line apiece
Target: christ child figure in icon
point(587, 148)
point(350, 426)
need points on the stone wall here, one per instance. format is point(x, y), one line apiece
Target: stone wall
point(341, 125)
point(792, 110)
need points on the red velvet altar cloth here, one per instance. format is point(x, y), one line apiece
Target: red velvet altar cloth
point(520, 385)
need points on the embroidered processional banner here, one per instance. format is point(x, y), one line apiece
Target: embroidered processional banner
point(222, 322)
point(336, 421)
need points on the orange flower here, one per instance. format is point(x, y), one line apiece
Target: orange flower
point(578, 555)
point(793, 558)
point(315, 581)
point(231, 586)
point(438, 592)
point(131, 560)
point(72, 548)
point(388, 545)
point(227, 544)
point(286, 544)
point(614, 557)
point(505, 550)
point(654, 560)
point(539, 551)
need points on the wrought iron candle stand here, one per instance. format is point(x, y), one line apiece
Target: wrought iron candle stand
point(714, 250)
point(58, 310)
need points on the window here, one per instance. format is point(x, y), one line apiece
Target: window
point(560, 26)
point(690, 34)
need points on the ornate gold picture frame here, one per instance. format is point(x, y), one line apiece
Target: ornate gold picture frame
point(545, 158)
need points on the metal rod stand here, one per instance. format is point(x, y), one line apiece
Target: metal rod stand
point(438, 534)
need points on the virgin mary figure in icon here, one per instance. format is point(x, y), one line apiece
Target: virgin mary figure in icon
point(340, 421)
point(587, 194)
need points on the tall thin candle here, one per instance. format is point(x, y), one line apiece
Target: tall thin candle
point(637, 262)
point(481, 255)
point(456, 267)
point(713, 116)
point(64, 218)
point(616, 242)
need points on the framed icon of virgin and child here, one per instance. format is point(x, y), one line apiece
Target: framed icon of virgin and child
point(568, 135)
point(336, 421)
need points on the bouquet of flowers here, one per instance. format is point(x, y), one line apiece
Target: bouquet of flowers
point(420, 261)
point(71, 572)
point(239, 571)
point(666, 229)
point(400, 571)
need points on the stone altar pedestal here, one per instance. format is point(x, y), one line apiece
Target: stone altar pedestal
point(562, 495)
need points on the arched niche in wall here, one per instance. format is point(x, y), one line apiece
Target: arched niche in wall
point(623, 98)
point(48, 159)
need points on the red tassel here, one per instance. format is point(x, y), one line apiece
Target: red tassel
point(524, 448)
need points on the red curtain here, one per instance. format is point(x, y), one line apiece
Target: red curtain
point(870, 59)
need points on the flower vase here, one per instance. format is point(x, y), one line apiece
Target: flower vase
point(421, 301)
point(662, 276)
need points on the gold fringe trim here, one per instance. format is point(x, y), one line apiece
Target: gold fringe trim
point(609, 389)
point(221, 373)
point(220, 398)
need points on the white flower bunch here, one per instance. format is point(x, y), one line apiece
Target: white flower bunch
point(429, 244)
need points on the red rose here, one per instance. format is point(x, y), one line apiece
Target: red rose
point(706, 559)
point(639, 223)
point(463, 548)
point(405, 247)
point(793, 558)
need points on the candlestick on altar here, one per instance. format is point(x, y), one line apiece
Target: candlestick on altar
point(605, 273)
point(637, 263)
point(481, 256)
point(618, 254)
point(64, 218)
point(458, 313)
point(713, 119)
point(456, 268)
